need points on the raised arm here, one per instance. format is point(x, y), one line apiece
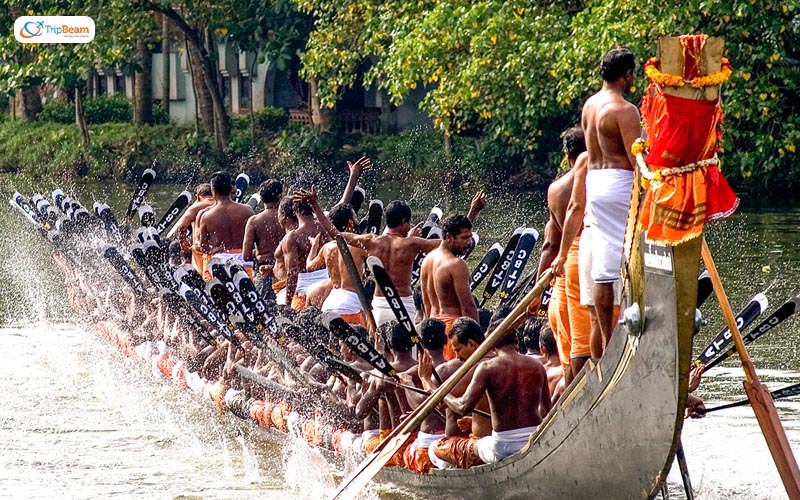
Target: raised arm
point(478, 204)
point(310, 197)
point(356, 168)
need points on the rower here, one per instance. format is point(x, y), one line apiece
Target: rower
point(516, 386)
point(445, 277)
point(186, 229)
point(262, 234)
point(221, 227)
point(296, 246)
point(288, 221)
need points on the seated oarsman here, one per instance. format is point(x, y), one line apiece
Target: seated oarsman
point(432, 340)
point(381, 394)
point(552, 363)
point(455, 450)
point(262, 235)
point(186, 228)
point(221, 227)
point(444, 276)
point(288, 221)
point(342, 299)
point(297, 245)
point(516, 386)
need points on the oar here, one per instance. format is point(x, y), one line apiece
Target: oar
point(141, 190)
point(499, 271)
point(356, 481)
point(487, 262)
point(746, 316)
point(786, 392)
point(521, 254)
point(242, 183)
point(384, 281)
point(779, 316)
point(172, 213)
point(265, 382)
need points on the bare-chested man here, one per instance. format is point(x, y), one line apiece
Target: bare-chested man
point(445, 277)
point(569, 319)
point(262, 235)
point(456, 449)
point(519, 399)
point(288, 222)
point(611, 124)
point(296, 246)
point(188, 224)
point(343, 298)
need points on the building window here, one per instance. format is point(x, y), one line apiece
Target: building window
point(119, 84)
point(244, 94)
point(101, 85)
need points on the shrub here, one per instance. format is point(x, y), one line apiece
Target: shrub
point(57, 112)
point(271, 119)
point(108, 109)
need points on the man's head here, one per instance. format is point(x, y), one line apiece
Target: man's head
point(399, 340)
point(547, 342)
point(221, 184)
point(203, 191)
point(343, 218)
point(457, 233)
point(286, 212)
point(431, 334)
point(465, 336)
point(397, 214)
point(303, 208)
point(574, 143)
point(619, 65)
point(270, 191)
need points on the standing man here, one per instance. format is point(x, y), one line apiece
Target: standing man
point(297, 245)
point(221, 227)
point(262, 234)
point(186, 229)
point(445, 277)
point(611, 124)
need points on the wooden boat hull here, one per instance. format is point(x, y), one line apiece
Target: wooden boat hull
point(614, 433)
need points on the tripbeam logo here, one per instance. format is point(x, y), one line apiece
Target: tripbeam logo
point(54, 29)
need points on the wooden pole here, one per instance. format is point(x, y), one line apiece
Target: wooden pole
point(759, 396)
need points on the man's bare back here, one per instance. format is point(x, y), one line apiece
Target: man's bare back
point(262, 235)
point(221, 227)
point(397, 253)
point(611, 124)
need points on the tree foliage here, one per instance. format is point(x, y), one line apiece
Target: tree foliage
point(518, 71)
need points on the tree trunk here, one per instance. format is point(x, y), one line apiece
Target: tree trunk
point(31, 103)
point(80, 118)
point(250, 103)
point(201, 94)
point(143, 99)
point(165, 63)
point(222, 124)
point(320, 115)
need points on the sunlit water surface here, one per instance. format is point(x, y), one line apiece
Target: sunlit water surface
point(81, 421)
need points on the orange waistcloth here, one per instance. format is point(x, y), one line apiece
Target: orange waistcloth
point(298, 302)
point(354, 318)
point(311, 431)
point(558, 317)
point(682, 132)
point(279, 416)
point(418, 461)
point(459, 451)
point(373, 442)
point(580, 325)
point(197, 261)
point(278, 285)
point(165, 365)
point(448, 320)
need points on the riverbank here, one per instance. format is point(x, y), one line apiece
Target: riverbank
point(121, 151)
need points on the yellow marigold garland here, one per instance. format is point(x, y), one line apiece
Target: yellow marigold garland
point(668, 80)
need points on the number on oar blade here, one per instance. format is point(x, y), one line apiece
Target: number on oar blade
point(343, 331)
point(141, 191)
point(521, 255)
point(499, 271)
point(484, 266)
point(172, 213)
point(776, 318)
point(242, 183)
point(118, 263)
point(393, 298)
point(747, 315)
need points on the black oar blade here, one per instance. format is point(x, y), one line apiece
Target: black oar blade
point(704, 288)
point(343, 331)
point(242, 183)
point(384, 281)
point(521, 255)
point(374, 217)
point(484, 266)
point(499, 271)
point(148, 176)
point(747, 315)
point(172, 213)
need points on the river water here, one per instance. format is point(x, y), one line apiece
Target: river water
point(81, 421)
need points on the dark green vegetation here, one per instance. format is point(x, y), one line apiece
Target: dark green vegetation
point(503, 78)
